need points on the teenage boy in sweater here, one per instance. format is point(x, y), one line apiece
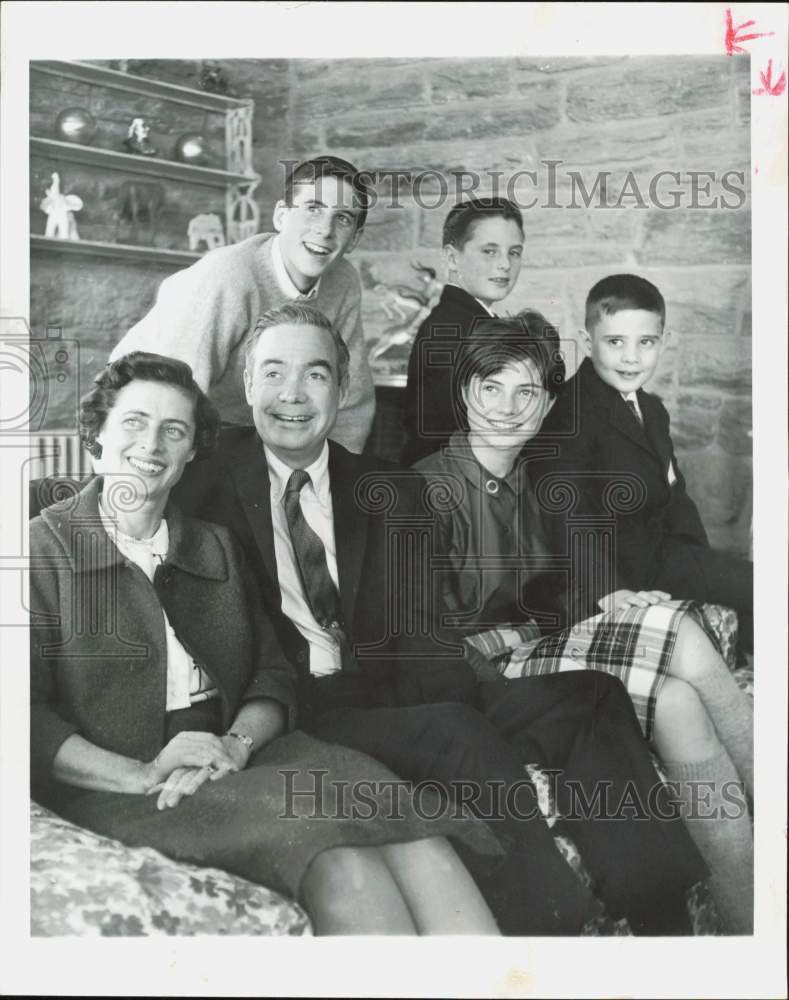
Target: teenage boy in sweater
point(204, 314)
point(605, 424)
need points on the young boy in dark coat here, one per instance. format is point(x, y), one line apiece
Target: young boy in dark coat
point(607, 428)
point(483, 246)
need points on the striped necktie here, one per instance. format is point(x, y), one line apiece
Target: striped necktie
point(634, 410)
point(319, 589)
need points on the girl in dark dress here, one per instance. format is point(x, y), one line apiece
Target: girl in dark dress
point(515, 599)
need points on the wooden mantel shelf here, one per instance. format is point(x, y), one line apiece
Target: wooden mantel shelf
point(124, 251)
point(149, 165)
point(88, 73)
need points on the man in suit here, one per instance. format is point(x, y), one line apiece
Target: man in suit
point(606, 428)
point(334, 539)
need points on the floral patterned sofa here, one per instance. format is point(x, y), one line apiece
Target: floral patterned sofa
point(82, 883)
point(86, 884)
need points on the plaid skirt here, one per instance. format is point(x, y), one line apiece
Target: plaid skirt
point(633, 644)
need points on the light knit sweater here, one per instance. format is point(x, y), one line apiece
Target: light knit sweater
point(204, 314)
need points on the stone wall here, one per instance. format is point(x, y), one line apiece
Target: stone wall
point(625, 116)
point(630, 118)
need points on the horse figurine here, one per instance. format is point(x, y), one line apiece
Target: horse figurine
point(139, 202)
point(407, 307)
point(60, 209)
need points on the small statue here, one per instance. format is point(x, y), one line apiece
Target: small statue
point(137, 141)
point(60, 209)
point(213, 79)
point(205, 229)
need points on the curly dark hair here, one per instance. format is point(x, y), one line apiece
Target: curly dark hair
point(144, 367)
point(499, 341)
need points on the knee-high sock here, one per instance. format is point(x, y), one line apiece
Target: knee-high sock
point(731, 711)
point(718, 822)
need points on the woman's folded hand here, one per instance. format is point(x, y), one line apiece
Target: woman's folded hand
point(183, 781)
point(193, 750)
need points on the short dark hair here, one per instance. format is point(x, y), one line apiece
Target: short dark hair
point(496, 342)
point(622, 291)
point(299, 314)
point(310, 171)
point(140, 366)
point(458, 226)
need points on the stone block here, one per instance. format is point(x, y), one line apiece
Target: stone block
point(742, 99)
point(306, 143)
point(648, 87)
point(714, 236)
point(94, 306)
point(467, 79)
point(344, 88)
point(538, 109)
point(736, 427)
point(703, 301)
point(721, 485)
point(389, 229)
point(694, 420)
point(527, 69)
point(392, 130)
point(715, 363)
point(626, 144)
point(543, 291)
point(310, 69)
point(713, 141)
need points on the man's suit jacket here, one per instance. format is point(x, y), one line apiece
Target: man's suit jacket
point(600, 441)
point(378, 522)
point(431, 414)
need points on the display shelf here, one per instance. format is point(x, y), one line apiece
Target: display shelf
point(98, 75)
point(123, 251)
point(150, 166)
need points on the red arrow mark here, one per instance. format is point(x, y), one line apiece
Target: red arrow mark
point(768, 87)
point(734, 39)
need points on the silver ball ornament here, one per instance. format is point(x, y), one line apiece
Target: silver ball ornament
point(76, 125)
point(190, 148)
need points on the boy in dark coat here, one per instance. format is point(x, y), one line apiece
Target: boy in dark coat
point(608, 429)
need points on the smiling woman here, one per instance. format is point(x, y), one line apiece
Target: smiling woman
point(159, 693)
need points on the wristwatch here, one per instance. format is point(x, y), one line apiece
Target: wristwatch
point(246, 740)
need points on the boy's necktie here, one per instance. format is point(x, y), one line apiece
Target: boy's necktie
point(634, 410)
point(319, 588)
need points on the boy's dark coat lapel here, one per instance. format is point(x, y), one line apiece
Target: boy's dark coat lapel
point(620, 417)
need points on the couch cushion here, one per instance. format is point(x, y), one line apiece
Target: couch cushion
point(82, 883)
